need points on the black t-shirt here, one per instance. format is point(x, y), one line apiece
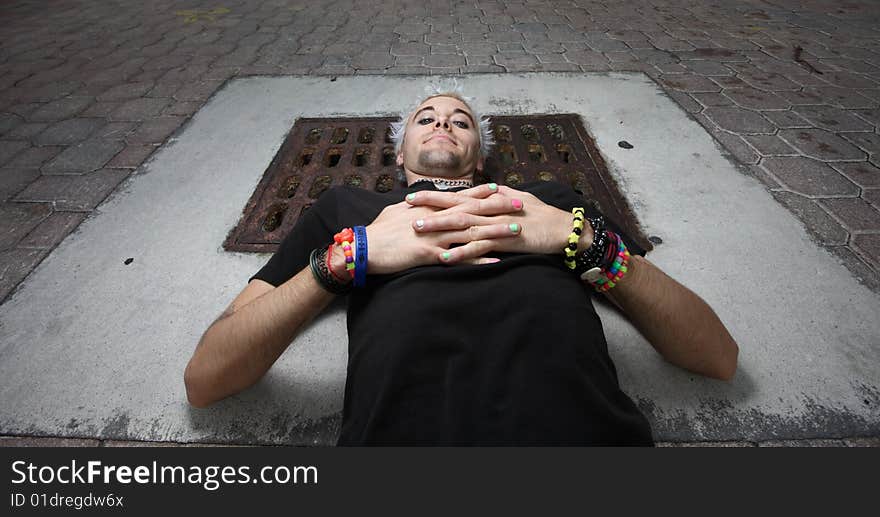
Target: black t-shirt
point(511, 353)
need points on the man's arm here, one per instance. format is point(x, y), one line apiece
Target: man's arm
point(241, 346)
point(677, 322)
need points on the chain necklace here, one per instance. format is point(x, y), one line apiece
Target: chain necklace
point(443, 184)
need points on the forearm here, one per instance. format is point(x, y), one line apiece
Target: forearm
point(239, 348)
point(677, 322)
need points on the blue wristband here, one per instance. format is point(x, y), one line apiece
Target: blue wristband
point(360, 258)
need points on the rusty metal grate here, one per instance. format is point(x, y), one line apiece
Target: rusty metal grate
point(319, 153)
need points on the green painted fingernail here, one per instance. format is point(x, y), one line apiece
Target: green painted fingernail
point(410, 197)
point(493, 186)
point(514, 227)
point(446, 255)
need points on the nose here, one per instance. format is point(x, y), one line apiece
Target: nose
point(445, 123)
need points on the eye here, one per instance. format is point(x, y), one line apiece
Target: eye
point(425, 121)
point(462, 124)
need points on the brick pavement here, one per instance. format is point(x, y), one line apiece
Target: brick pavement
point(88, 90)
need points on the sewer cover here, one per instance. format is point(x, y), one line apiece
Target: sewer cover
point(320, 153)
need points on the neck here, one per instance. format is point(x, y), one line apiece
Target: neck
point(465, 180)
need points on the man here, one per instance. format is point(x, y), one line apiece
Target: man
point(471, 328)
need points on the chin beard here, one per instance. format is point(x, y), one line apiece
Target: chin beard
point(438, 159)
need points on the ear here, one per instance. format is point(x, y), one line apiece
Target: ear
point(480, 163)
point(400, 159)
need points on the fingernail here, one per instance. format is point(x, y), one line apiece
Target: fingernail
point(514, 227)
point(493, 186)
point(493, 261)
point(410, 197)
point(446, 255)
point(420, 223)
point(517, 204)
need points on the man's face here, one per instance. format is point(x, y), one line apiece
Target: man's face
point(441, 139)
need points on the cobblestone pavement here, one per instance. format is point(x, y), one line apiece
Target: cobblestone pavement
point(89, 90)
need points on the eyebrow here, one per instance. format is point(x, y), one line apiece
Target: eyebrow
point(456, 110)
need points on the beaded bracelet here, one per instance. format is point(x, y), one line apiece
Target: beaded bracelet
point(611, 275)
point(345, 238)
point(322, 273)
point(360, 270)
point(570, 249)
point(330, 267)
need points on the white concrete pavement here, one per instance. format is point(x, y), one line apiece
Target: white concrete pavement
point(91, 347)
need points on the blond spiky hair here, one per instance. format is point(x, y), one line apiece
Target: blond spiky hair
point(487, 139)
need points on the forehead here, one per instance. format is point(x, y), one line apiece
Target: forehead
point(444, 103)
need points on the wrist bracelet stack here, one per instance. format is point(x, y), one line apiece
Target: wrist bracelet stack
point(319, 262)
point(605, 262)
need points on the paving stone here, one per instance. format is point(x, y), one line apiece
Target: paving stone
point(115, 130)
point(709, 99)
point(824, 228)
point(83, 157)
point(9, 148)
point(69, 131)
point(849, 80)
point(868, 142)
point(862, 173)
point(52, 230)
point(671, 44)
point(13, 181)
point(165, 89)
point(809, 177)
point(138, 109)
point(445, 60)
point(654, 56)
point(444, 49)
point(15, 265)
point(74, 192)
point(713, 54)
point(508, 60)
point(753, 98)
point(17, 219)
point(9, 121)
point(872, 116)
point(60, 109)
point(821, 144)
point(409, 49)
point(739, 120)
point(708, 68)
point(496, 37)
point(872, 195)
point(856, 214)
point(26, 130)
point(34, 157)
point(832, 118)
point(689, 83)
point(131, 157)
point(126, 91)
point(735, 145)
point(586, 57)
point(609, 45)
point(377, 60)
point(704, 444)
point(154, 131)
point(100, 109)
point(770, 145)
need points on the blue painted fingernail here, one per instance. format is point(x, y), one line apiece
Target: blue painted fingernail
point(514, 227)
point(493, 186)
point(446, 255)
point(410, 197)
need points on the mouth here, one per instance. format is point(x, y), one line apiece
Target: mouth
point(441, 137)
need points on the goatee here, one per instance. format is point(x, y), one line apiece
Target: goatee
point(438, 159)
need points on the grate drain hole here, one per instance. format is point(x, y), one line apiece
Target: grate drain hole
point(361, 157)
point(388, 158)
point(306, 157)
point(507, 154)
point(546, 176)
point(321, 184)
point(513, 179)
point(366, 134)
point(274, 217)
point(502, 133)
point(332, 157)
point(384, 183)
point(354, 180)
point(340, 135)
point(556, 132)
point(529, 133)
point(536, 153)
point(314, 136)
point(288, 188)
point(564, 153)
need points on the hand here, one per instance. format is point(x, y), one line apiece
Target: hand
point(394, 245)
point(542, 228)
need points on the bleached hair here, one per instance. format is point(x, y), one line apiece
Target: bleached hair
point(487, 139)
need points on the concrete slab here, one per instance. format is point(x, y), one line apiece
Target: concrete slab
point(91, 347)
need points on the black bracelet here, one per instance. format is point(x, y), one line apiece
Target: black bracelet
point(594, 256)
point(318, 265)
